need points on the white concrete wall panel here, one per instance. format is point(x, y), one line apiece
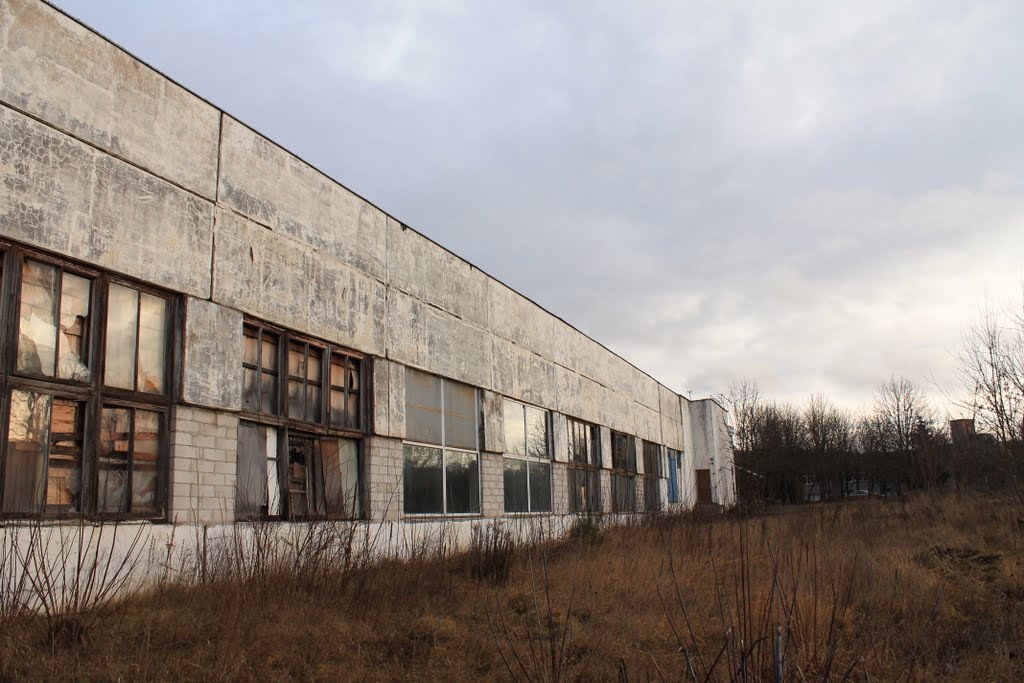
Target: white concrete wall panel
point(61, 72)
point(288, 283)
point(211, 372)
point(432, 274)
point(60, 194)
point(519, 320)
point(280, 191)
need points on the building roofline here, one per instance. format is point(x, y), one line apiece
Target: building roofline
point(405, 225)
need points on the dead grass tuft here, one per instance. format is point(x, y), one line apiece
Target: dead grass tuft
point(925, 589)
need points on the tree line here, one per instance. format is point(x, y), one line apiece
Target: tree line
point(795, 453)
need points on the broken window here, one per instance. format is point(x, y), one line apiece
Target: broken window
point(312, 416)
point(258, 478)
point(442, 461)
point(584, 472)
point(54, 322)
point(129, 470)
point(527, 460)
point(653, 472)
point(74, 443)
point(623, 476)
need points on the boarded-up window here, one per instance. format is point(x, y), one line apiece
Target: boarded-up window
point(258, 490)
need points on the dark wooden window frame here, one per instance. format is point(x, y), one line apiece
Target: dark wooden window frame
point(301, 428)
point(589, 466)
point(623, 471)
point(653, 453)
point(93, 393)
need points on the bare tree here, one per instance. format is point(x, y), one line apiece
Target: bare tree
point(990, 371)
point(743, 402)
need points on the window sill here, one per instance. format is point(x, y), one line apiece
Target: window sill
point(439, 517)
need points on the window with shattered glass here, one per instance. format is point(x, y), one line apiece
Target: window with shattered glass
point(86, 394)
point(300, 438)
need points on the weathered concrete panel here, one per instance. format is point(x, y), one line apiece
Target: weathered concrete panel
point(60, 194)
point(381, 397)
point(668, 403)
point(276, 189)
point(671, 433)
point(647, 423)
point(523, 375)
point(568, 392)
point(645, 389)
point(428, 338)
point(560, 437)
point(592, 401)
point(638, 445)
point(606, 460)
point(212, 374)
point(421, 268)
point(492, 414)
point(276, 278)
point(455, 349)
point(516, 318)
point(396, 399)
point(618, 411)
point(63, 73)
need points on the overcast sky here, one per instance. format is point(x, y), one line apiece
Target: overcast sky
point(816, 195)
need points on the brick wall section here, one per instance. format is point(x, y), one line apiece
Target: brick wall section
point(383, 471)
point(204, 446)
point(559, 489)
point(492, 481)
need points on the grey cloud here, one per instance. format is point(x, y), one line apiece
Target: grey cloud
point(817, 194)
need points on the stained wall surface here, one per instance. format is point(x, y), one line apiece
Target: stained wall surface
point(108, 162)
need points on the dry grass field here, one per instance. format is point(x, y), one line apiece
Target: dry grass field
point(930, 588)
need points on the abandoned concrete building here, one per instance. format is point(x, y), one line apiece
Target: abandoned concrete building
point(199, 328)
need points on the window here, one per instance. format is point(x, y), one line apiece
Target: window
point(299, 440)
point(442, 460)
point(675, 463)
point(584, 467)
point(527, 461)
point(623, 473)
point(653, 472)
point(84, 424)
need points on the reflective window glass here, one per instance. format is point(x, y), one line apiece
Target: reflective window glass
point(423, 407)
point(122, 328)
point(152, 344)
point(423, 480)
point(37, 340)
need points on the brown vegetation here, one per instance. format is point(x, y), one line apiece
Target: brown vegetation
point(926, 589)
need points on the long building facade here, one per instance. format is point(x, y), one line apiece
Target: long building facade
point(200, 328)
